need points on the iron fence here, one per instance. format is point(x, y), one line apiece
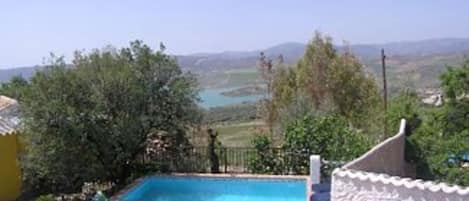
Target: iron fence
point(236, 160)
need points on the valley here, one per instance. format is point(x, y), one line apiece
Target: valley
point(230, 82)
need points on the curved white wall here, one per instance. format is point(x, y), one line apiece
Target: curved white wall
point(367, 177)
point(351, 185)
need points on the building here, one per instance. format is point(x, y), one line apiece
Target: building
point(10, 147)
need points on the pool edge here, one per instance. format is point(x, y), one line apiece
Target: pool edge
point(118, 196)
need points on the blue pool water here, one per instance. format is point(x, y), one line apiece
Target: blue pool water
point(217, 189)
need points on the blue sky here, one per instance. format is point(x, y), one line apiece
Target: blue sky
point(30, 30)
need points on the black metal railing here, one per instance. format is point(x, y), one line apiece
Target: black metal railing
point(236, 160)
point(198, 159)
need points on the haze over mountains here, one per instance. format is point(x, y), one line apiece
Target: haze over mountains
point(293, 51)
point(426, 55)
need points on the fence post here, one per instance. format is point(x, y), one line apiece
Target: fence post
point(225, 158)
point(315, 169)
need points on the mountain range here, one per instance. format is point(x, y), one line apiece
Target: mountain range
point(291, 52)
point(402, 56)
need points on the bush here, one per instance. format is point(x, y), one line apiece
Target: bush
point(328, 136)
point(45, 198)
point(404, 106)
point(439, 156)
point(439, 145)
point(140, 170)
point(89, 122)
point(263, 159)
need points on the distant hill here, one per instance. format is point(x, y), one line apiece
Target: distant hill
point(293, 51)
point(26, 72)
point(415, 48)
point(229, 60)
point(426, 57)
point(239, 60)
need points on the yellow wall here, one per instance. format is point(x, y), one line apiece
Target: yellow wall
point(10, 174)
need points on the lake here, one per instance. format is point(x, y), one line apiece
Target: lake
point(214, 98)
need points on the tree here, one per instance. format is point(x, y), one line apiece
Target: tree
point(89, 122)
point(455, 84)
point(268, 105)
point(14, 88)
point(328, 136)
point(353, 92)
point(407, 106)
point(313, 69)
point(440, 145)
point(263, 160)
point(333, 82)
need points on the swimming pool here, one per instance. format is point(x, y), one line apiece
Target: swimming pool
point(177, 188)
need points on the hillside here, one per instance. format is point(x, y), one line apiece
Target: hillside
point(418, 62)
point(216, 62)
point(406, 51)
point(26, 72)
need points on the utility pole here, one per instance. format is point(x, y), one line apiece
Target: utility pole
point(385, 92)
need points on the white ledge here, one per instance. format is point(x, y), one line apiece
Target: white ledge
point(401, 182)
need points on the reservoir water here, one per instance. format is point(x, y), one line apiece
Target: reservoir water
point(214, 98)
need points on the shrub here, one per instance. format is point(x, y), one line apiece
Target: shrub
point(89, 122)
point(440, 145)
point(262, 160)
point(45, 198)
point(329, 136)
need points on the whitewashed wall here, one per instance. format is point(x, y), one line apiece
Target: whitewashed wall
point(351, 185)
point(387, 157)
point(367, 178)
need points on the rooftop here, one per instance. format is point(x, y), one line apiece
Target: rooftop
point(9, 115)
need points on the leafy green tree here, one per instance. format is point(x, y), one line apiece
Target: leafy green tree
point(313, 69)
point(441, 144)
point(14, 88)
point(334, 87)
point(407, 106)
point(263, 159)
point(332, 81)
point(455, 84)
point(328, 136)
point(267, 107)
point(89, 122)
point(353, 92)
point(285, 87)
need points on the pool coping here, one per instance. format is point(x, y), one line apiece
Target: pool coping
point(118, 196)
